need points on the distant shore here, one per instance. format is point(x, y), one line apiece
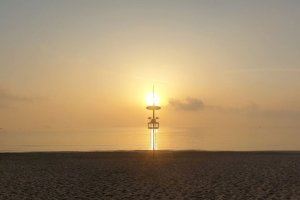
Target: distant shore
point(168, 174)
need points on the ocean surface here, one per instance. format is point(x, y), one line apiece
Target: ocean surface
point(136, 138)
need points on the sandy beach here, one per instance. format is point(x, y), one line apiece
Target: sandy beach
point(137, 175)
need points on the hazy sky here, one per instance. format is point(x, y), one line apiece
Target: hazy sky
point(222, 66)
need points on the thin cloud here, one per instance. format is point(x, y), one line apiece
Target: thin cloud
point(253, 109)
point(250, 109)
point(188, 104)
point(268, 69)
point(8, 98)
point(6, 95)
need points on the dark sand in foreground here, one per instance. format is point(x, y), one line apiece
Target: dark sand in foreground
point(135, 175)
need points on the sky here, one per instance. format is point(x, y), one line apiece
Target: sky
point(76, 73)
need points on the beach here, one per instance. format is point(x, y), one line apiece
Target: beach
point(141, 175)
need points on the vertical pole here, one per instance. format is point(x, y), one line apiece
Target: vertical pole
point(151, 139)
point(153, 130)
point(154, 136)
point(152, 143)
point(153, 117)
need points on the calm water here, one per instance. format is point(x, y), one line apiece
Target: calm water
point(139, 139)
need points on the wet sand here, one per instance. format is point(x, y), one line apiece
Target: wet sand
point(136, 175)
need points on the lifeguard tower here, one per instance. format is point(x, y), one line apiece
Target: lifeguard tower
point(153, 123)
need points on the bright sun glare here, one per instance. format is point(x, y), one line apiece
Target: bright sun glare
point(152, 99)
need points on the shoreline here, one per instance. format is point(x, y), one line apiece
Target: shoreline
point(157, 151)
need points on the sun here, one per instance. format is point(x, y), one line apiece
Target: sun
point(152, 99)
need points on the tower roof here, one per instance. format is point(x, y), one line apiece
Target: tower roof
point(153, 107)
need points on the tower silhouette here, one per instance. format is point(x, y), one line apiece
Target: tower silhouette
point(153, 124)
